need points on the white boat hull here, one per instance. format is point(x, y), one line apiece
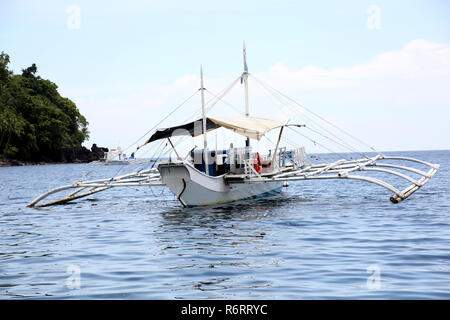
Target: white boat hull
point(194, 188)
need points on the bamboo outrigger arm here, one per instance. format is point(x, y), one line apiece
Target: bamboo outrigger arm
point(344, 169)
point(148, 177)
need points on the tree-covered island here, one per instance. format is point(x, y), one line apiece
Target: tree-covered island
point(37, 124)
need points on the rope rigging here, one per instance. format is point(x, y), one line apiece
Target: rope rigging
point(316, 115)
point(273, 96)
point(342, 143)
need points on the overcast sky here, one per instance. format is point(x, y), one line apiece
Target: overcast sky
point(379, 69)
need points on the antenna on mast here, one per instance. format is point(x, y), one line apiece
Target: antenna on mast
point(245, 79)
point(205, 142)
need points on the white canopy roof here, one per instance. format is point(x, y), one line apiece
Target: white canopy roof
point(250, 127)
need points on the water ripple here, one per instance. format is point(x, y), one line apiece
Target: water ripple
point(315, 240)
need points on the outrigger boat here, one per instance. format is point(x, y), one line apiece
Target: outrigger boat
point(209, 177)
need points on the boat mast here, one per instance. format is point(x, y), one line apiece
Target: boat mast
point(245, 78)
point(205, 143)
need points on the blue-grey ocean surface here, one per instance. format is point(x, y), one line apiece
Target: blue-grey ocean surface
point(321, 239)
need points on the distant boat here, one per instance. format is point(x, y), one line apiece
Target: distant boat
point(209, 177)
point(115, 157)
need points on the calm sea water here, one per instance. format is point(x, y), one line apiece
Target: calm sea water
point(322, 239)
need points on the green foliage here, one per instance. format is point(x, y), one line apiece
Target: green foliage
point(36, 123)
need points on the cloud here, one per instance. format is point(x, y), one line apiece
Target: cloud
point(418, 73)
point(398, 100)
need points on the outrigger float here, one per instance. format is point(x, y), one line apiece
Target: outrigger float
point(206, 177)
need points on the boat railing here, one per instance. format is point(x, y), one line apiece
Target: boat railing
point(269, 164)
point(249, 168)
point(297, 157)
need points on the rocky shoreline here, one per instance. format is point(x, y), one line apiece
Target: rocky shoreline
point(84, 155)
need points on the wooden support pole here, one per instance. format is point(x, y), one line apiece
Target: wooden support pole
point(276, 148)
point(171, 144)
